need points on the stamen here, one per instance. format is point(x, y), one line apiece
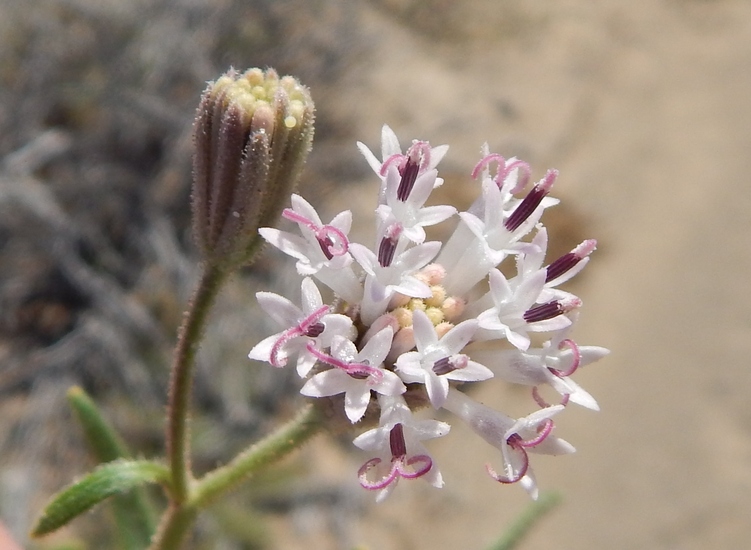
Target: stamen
point(450, 364)
point(309, 323)
point(387, 248)
point(574, 364)
point(409, 176)
point(568, 261)
point(315, 330)
point(543, 312)
point(530, 203)
point(396, 441)
point(551, 309)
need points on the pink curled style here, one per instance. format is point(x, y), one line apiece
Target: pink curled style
point(299, 329)
point(398, 158)
point(542, 434)
point(480, 166)
point(423, 149)
point(544, 404)
point(399, 468)
point(524, 174)
point(336, 246)
point(514, 478)
point(574, 364)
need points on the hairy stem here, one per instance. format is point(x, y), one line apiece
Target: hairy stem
point(269, 450)
point(181, 379)
point(174, 527)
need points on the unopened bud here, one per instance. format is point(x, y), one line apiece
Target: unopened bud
point(252, 134)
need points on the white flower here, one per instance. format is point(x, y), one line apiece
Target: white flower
point(559, 271)
point(383, 281)
point(391, 151)
point(406, 207)
point(491, 238)
point(552, 364)
point(437, 361)
point(323, 250)
point(399, 453)
point(514, 438)
point(314, 323)
point(509, 317)
point(355, 374)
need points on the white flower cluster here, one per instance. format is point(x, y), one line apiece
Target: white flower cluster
point(420, 318)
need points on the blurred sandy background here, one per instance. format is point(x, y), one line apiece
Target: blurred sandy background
point(644, 106)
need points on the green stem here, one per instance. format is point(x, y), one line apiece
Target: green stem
point(273, 447)
point(176, 522)
point(181, 379)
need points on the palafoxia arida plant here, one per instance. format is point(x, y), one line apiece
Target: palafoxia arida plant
point(410, 320)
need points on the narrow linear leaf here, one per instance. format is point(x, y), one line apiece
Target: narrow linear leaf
point(105, 442)
point(134, 512)
point(107, 480)
point(527, 520)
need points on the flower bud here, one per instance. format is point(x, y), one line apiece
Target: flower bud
point(252, 134)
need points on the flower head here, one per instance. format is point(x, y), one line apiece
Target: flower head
point(412, 320)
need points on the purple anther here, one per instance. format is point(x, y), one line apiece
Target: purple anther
point(396, 441)
point(551, 309)
point(409, 176)
point(315, 330)
point(568, 261)
point(530, 203)
point(387, 248)
point(309, 323)
point(450, 364)
point(543, 312)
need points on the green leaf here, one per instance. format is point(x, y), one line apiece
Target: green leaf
point(134, 513)
point(105, 442)
point(528, 519)
point(107, 480)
